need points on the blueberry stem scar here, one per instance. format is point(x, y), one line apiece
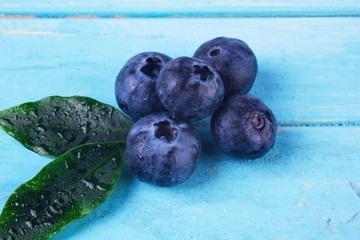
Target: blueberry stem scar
point(152, 67)
point(205, 73)
point(164, 130)
point(256, 121)
point(215, 52)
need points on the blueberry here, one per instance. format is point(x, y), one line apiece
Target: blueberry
point(244, 127)
point(190, 88)
point(162, 150)
point(135, 86)
point(233, 60)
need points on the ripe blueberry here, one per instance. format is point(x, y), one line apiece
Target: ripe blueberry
point(190, 88)
point(162, 150)
point(244, 127)
point(233, 60)
point(135, 86)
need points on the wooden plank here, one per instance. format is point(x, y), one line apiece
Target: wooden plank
point(307, 187)
point(308, 67)
point(163, 8)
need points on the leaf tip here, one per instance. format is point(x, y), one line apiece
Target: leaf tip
point(5, 122)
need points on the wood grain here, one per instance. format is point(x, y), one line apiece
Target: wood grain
point(308, 67)
point(304, 188)
point(185, 8)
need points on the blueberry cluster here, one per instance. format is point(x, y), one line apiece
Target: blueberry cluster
point(165, 95)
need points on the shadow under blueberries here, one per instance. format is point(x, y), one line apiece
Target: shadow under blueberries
point(275, 87)
point(215, 164)
point(210, 160)
point(268, 87)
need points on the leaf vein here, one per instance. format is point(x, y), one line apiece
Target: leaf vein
point(73, 128)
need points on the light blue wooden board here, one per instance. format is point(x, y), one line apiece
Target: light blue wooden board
point(308, 74)
point(163, 8)
point(302, 189)
point(309, 68)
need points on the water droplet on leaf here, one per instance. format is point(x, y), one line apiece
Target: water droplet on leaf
point(53, 209)
point(88, 184)
point(84, 129)
point(5, 122)
point(41, 129)
point(41, 150)
point(33, 213)
point(28, 223)
point(100, 188)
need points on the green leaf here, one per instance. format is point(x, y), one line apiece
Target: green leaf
point(64, 191)
point(54, 125)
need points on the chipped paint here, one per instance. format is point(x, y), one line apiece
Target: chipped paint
point(329, 225)
point(306, 187)
point(355, 188)
point(352, 218)
point(16, 16)
point(301, 204)
point(290, 220)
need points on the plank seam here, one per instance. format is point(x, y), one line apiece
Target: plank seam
point(355, 123)
point(121, 16)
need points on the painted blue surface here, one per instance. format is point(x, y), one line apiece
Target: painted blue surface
point(189, 8)
point(302, 189)
point(308, 67)
point(307, 187)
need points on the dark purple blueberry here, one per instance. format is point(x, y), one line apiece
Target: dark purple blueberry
point(233, 60)
point(244, 127)
point(190, 88)
point(162, 150)
point(135, 86)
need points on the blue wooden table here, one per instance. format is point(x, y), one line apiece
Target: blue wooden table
point(306, 187)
